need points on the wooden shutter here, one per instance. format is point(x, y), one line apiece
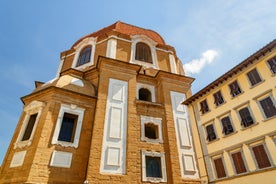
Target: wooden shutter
point(254, 77)
point(219, 168)
point(272, 64)
point(238, 162)
point(246, 118)
point(268, 107)
point(227, 126)
point(261, 156)
point(143, 52)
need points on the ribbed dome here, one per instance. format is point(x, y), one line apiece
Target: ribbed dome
point(127, 29)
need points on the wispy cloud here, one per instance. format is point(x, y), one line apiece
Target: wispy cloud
point(196, 65)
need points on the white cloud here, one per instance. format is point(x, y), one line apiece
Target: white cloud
point(196, 65)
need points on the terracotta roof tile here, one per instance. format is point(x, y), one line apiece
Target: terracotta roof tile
point(127, 29)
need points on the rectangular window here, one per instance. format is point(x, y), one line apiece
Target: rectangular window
point(254, 77)
point(219, 168)
point(227, 125)
point(246, 118)
point(204, 107)
point(238, 162)
point(272, 64)
point(234, 88)
point(211, 135)
point(261, 156)
point(68, 126)
point(218, 98)
point(29, 128)
point(153, 167)
point(268, 107)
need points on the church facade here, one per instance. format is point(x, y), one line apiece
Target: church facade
point(113, 114)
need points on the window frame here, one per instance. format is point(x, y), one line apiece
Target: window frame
point(271, 66)
point(232, 87)
point(256, 81)
point(143, 52)
point(218, 98)
point(70, 109)
point(244, 163)
point(35, 107)
point(151, 88)
point(82, 53)
point(78, 49)
point(223, 165)
point(214, 132)
point(223, 127)
point(152, 44)
point(262, 157)
point(153, 120)
point(261, 107)
point(162, 169)
point(204, 109)
point(241, 118)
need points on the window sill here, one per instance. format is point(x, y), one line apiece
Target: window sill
point(233, 97)
point(209, 142)
point(232, 133)
point(22, 144)
point(145, 64)
point(156, 141)
point(267, 119)
point(259, 83)
point(154, 180)
point(250, 126)
point(202, 114)
point(66, 144)
point(217, 106)
point(149, 103)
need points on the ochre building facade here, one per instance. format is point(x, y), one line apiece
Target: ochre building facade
point(233, 121)
point(112, 114)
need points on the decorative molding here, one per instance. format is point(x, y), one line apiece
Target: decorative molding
point(152, 44)
point(172, 63)
point(147, 86)
point(113, 159)
point(183, 136)
point(18, 159)
point(72, 109)
point(32, 108)
point(163, 167)
point(61, 159)
point(111, 48)
point(87, 41)
point(156, 121)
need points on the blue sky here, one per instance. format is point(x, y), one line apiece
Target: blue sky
point(210, 37)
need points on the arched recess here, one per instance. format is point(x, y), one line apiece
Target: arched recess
point(144, 42)
point(84, 55)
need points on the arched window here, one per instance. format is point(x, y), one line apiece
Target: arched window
point(143, 52)
point(151, 131)
point(145, 94)
point(84, 56)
